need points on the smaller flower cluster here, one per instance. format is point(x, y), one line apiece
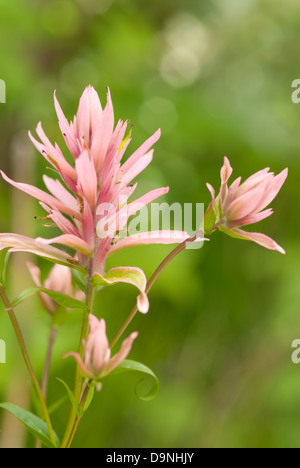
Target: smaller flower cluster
point(97, 361)
point(243, 204)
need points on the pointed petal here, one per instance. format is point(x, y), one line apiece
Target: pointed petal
point(87, 178)
point(94, 324)
point(141, 151)
point(96, 111)
point(63, 223)
point(122, 354)
point(62, 194)
point(70, 241)
point(246, 204)
point(39, 194)
point(109, 225)
point(126, 176)
point(89, 114)
point(55, 155)
point(18, 243)
point(143, 201)
point(232, 193)
point(67, 131)
point(213, 197)
point(83, 117)
point(253, 181)
point(258, 238)
point(273, 188)
point(226, 171)
point(250, 219)
point(102, 135)
point(97, 352)
point(84, 370)
point(88, 228)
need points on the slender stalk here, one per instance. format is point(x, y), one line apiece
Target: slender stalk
point(23, 348)
point(45, 378)
point(152, 280)
point(90, 297)
point(78, 418)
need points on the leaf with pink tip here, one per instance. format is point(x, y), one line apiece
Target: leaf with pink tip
point(130, 275)
point(69, 240)
point(258, 238)
point(18, 243)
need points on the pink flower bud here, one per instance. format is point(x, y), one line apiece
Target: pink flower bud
point(97, 360)
point(242, 204)
point(58, 280)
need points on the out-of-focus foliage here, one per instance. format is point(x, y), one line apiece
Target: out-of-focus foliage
point(216, 77)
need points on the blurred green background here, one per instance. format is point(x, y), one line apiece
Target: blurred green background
point(216, 77)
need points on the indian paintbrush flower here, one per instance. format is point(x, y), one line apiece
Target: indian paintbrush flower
point(242, 204)
point(97, 360)
point(97, 181)
point(90, 204)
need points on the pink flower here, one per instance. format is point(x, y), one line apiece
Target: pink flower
point(243, 204)
point(97, 357)
point(93, 191)
point(58, 280)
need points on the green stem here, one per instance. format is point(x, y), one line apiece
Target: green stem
point(45, 378)
point(78, 418)
point(152, 280)
point(23, 348)
point(90, 297)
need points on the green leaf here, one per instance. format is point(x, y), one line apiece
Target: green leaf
point(89, 399)
point(4, 256)
point(80, 412)
point(231, 233)
point(125, 140)
point(72, 397)
point(127, 365)
point(61, 299)
point(129, 275)
point(19, 243)
point(209, 220)
point(35, 425)
point(80, 279)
